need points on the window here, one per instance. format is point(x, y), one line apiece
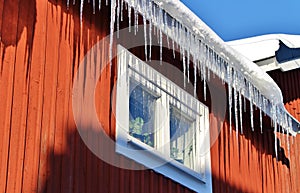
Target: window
point(160, 125)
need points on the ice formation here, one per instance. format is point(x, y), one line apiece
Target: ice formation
point(210, 55)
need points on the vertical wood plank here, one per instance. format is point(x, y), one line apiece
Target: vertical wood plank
point(9, 41)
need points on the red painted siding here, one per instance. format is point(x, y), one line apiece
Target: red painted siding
point(42, 45)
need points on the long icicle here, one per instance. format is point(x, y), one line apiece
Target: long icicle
point(288, 143)
point(229, 96)
point(150, 30)
point(188, 55)
point(195, 77)
point(94, 7)
point(122, 7)
point(184, 68)
point(136, 21)
point(241, 112)
point(251, 104)
point(275, 128)
point(112, 23)
point(166, 26)
point(235, 105)
point(260, 114)
point(204, 82)
point(173, 42)
point(81, 11)
point(129, 18)
point(160, 20)
point(118, 18)
point(145, 29)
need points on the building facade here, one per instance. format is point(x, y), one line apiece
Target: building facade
point(50, 144)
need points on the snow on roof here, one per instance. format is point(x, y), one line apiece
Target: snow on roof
point(270, 52)
point(265, 46)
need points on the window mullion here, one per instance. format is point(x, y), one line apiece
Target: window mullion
point(162, 125)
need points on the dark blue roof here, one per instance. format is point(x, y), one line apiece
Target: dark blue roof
point(285, 54)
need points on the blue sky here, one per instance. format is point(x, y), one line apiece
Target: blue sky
point(235, 19)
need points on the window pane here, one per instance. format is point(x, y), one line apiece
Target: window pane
point(182, 138)
point(142, 113)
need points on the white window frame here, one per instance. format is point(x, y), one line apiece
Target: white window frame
point(158, 158)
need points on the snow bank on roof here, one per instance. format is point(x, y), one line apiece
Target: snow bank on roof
point(265, 46)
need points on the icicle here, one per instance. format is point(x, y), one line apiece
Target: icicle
point(166, 26)
point(188, 56)
point(160, 34)
point(230, 106)
point(81, 10)
point(195, 78)
point(157, 33)
point(150, 40)
point(184, 68)
point(112, 22)
point(118, 19)
point(220, 65)
point(251, 115)
point(99, 5)
point(229, 96)
point(236, 113)
point(260, 119)
point(160, 46)
point(177, 34)
point(68, 4)
point(122, 7)
point(150, 29)
point(129, 18)
point(264, 105)
point(260, 113)
point(74, 2)
point(251, 104)
point(106, 2)
point(188, 66)
point(288, 143)
point(204, 82)
point(154, 17)
point(245, 104)
point(173, 43)
point(136, 20)
point(145, 29)
point(241, 112)
point(208, 64)
point(235, 105)
point(94, 7)
point(275, 127)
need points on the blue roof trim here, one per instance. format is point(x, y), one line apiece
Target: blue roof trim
point(285, 54)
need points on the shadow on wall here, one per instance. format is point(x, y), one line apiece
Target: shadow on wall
point(289, 83)
point(78, 170)
point(263, 139)
point(18, 17)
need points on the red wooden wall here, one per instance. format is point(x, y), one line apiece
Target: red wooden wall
point(247, 163)
point(41, 47)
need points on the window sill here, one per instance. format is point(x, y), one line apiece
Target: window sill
point(152, 159)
